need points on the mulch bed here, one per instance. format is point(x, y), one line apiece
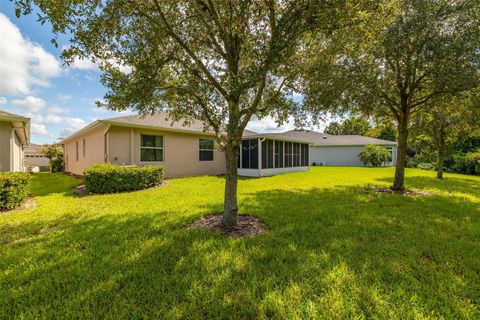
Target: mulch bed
point(247, 226)
point(405, 192)
point(28, 204)
point(81, 190)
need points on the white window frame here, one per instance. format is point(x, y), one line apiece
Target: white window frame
point(212, 150)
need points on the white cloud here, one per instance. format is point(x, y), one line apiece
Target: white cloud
point(3, 100)
point(88, 64)
point(39, 129)
point(52, 118)
point(66, 132)
point(75, 123)
point(57, 110)
point(64, 97)
point(84, 64)
point(29, 104)
point(23, 63)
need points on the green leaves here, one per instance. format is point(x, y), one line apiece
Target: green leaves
point(375, 155)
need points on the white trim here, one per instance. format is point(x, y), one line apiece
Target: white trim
point(270, 171)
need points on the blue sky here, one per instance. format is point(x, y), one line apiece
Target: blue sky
point(59, 99)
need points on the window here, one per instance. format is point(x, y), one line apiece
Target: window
point(250, 154)
point(76, 150)
point(206, 150)
point(151, 148)
point(84, 147)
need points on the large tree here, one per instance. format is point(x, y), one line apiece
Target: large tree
point(354, 125)
point(394, 62)
point(221, 62)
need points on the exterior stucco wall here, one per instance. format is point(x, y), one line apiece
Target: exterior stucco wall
point(340, 155)
point(180, 154)
point(5, 136)
point(94, 150)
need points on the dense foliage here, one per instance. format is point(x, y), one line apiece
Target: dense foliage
point(14, 189)
point(375, 155)
point(57, 164)
point(55, 154)
point(111, 178)
point(379, 128)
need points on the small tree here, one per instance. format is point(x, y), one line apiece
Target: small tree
point(448, 120)
point(375, 155)
point(55, 154)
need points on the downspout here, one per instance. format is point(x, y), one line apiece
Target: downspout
point(11, 148)
point(105, 143)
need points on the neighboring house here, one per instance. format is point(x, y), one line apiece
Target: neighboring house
point(35, 158)
point(338, 150)
point(182, 150)
point(14, 137)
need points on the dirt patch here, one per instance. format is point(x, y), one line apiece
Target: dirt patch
point(247, 226)
point(405, 192)
point(81, 190)
point(30, 203)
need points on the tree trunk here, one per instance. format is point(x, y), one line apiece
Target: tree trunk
point(230, 208)
point(441, 154)
point(398, 182)
point(440, 160)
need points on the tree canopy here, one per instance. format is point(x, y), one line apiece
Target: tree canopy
point(394, 61)
point(217, 61)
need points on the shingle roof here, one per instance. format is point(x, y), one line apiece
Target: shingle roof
point(160, 120)
point(323, 139)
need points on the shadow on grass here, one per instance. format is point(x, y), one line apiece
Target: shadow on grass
point(46, 183)
point(328, 253)
point(450, 184)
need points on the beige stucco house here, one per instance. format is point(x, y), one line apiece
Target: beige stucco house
point(182, 150)
point(14, 137)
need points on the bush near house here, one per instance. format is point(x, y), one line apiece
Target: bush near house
point(13, 189)
point(375, 155)
point(111, 178)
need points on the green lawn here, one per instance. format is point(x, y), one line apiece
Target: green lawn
point(332, 250)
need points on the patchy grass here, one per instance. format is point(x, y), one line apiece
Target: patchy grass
point(332, 250)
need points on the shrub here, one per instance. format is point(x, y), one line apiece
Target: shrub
point(13, 189)
point(426, 166)
point(375, 155)
point(468, 163)
point(111, 178)
point(57, 164)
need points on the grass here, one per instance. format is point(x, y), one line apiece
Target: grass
point(333, 250)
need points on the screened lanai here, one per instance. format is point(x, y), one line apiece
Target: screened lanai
point(266, 155)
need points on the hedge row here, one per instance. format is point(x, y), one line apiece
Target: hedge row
point(111, 178)
point(13, 189)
